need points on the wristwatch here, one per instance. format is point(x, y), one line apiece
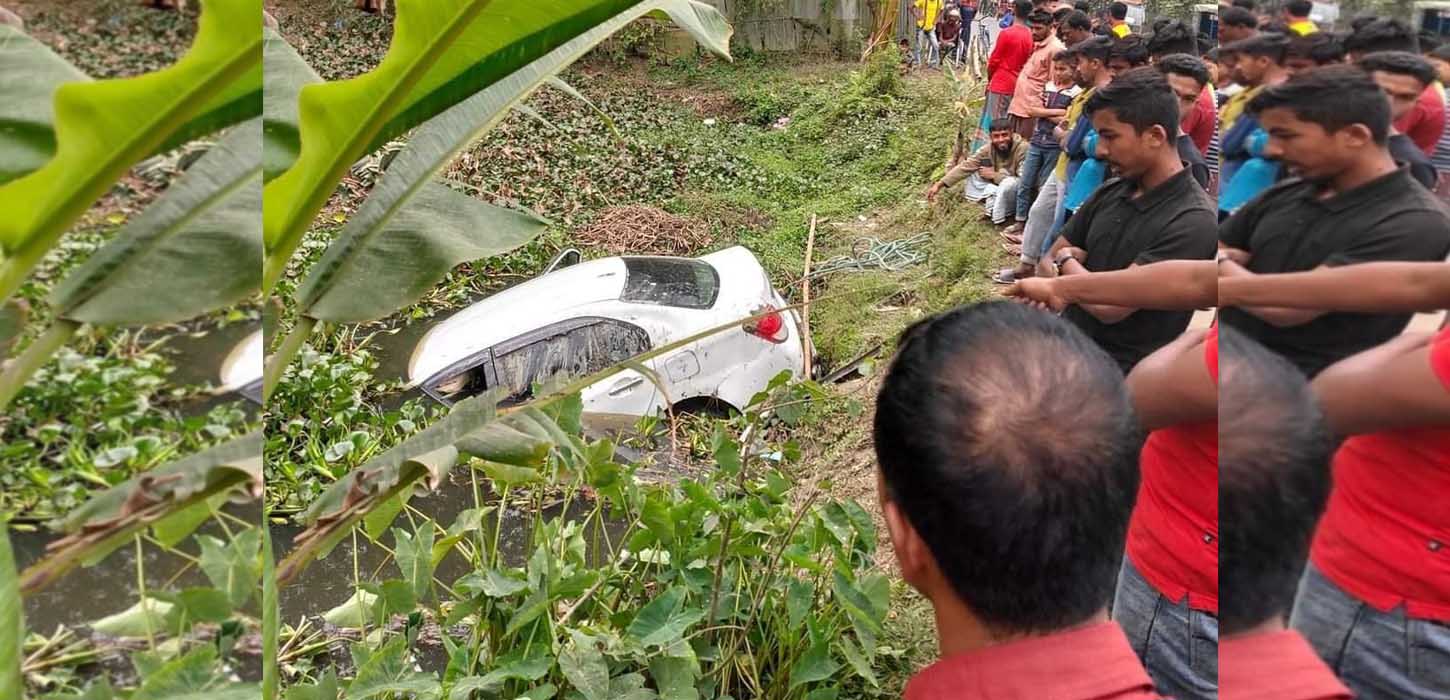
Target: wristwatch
point(1061, 259)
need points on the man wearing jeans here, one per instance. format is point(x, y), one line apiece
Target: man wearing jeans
point(1042, 154)
point(1375, 599)
point(926, 12)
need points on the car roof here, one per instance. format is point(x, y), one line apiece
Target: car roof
point(591, 288)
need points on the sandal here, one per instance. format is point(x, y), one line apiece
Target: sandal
point(1008, 275)
point(1010, 237)
point(1012, 248)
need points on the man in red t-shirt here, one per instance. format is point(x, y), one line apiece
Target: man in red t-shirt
point(1010, 53)
point(1274, 449)
point(1375, 600)
point(1014, 539)
point(1426, 122)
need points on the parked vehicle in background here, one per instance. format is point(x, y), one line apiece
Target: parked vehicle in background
point(242, 369)
point(1206, 20)
point(1433, 18)
point(588, 316)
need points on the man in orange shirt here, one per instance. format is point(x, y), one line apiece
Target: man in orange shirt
point(1032, 81)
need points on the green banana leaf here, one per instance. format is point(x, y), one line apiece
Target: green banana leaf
point(195, 249)
point(27, 94)
point(27, 88)
point(111, 517)
point(102, 128)
point(399, 243)
point(12, 624)
point(428, 69)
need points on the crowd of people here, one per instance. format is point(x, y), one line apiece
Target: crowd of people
point(1090, 492)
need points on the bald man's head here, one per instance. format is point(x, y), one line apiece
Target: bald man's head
point(1273, 461)
point(1008, 440)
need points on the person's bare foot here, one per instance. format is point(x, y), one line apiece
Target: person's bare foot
point(1016, 228)
point(1010, 237)
point(1012, 248)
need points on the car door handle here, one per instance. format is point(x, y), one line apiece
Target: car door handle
point(624, 385)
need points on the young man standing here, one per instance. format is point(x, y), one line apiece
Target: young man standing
point(1013, 48)
point(1118, 25)
point(1440, 58)
point(1426, 122)
point(1077, 28)
point(1015, 540)
point(1350, 204)
point(1199, 122)
point(1258, 64)
point(1236, 24)
point(1154, 211)
point(1296, 15)
point(1188, 77)
point(1274, 449)
point(1042, 154)
point(926, 12)
point(1032, 81)
point(1403, 77)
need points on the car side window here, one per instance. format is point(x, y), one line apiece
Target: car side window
point(689, 284)
point(572, 350)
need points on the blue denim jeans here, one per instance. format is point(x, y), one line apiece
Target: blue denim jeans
point(925, 36)
point(1177, 644)
point(1035, 170)
point(1379, 655)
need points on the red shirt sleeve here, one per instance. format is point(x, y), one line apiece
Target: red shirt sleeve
point(1205, 118)
point(1425, 122)
point(1440, 356)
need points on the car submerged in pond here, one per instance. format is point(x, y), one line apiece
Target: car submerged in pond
point(581, 317)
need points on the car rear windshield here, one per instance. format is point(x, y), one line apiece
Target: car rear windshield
point(690, 284)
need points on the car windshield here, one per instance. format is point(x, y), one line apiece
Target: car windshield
point(690, 284)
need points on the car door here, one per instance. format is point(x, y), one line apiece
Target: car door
point(574, 349)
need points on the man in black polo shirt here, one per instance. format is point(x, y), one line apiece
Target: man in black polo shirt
point(1351, 204)
point(1154, 211)
point(1403, 76)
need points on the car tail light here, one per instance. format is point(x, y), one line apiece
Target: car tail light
point(770, 327)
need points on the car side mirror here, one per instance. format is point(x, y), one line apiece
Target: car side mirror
point(567, 257)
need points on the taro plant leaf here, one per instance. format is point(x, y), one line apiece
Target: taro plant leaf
point(583, 664)
point(376, 522)
point(675, 678)
point(172, 529)
point(205, 604)
point(816, 665)
point(232, 566)
point(629, 686)
point(111, 517)
point(324, 689)
point(12, 623)
point(104, 127)
point(193, 676)
point(414, 555)
point(195, 250)
point(387, 670)
point(27, 89)
point(858, 660)
point(664, 619)
point(515, 43)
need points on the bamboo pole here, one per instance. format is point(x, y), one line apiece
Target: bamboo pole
point(806, 298)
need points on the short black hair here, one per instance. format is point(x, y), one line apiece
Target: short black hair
point(1063, 56)
point(1274, 480)
point(1171, 37)
point(1141, 98)
point(1061, 14)
point(1028, 532)
point(1441, 52)
point(1238, 17)
point(1400, 63)
point(1361, 21)
point(1429, 42)
point(1118, 10)
point(1299, 8)
point(1383, 34)
point(1022, 8)
point(1273, 46)
point(1249, 5)
point(1079, 20)
point(1334, 97)
point(1098, 47)
point(1323, 48)
point(1275, 26)
point(1184, 64)
point(1039, 17)
point(1082, 6)
point(1131, 48)
point(1000, 124)
point(1211, 55)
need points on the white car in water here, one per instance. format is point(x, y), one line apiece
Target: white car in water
point(581, 317)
